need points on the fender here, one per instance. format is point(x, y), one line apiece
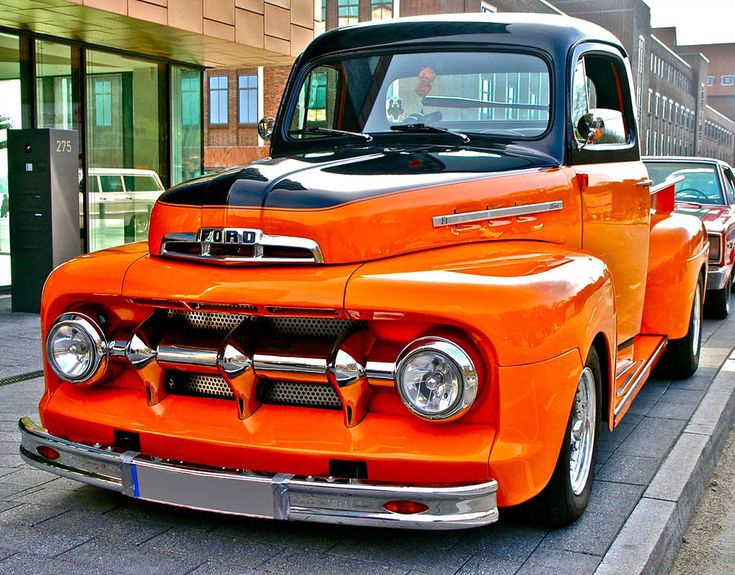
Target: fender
point(534, 310)
point(676, 258)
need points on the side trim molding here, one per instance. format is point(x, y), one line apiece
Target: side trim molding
point(468, 217)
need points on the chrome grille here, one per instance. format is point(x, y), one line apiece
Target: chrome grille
point(198, 384)
point(299, 394)
point(329, 327)
point(312, 326)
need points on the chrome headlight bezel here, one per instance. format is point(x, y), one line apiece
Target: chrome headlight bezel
point(97, 344)
point(456, 356)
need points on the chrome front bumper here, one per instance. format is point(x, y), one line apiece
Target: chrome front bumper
point(272, 496)
point(717, 277)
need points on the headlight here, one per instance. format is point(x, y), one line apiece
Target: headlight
point(436, 378)
point(714, 248)
point(76, 349)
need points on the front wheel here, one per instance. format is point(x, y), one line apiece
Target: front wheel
point(681, 358)
point(567, 494)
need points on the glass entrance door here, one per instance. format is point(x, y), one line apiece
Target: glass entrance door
point(10, 117)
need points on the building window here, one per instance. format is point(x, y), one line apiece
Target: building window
point(218, 100)
point(487, 8)
point(727, 80)
point(247, 98)
point(381, 9)
point(348, 12)
point(710, 80)
point(103, 103)
point(190, 100)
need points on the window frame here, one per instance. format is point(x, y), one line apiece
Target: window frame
point(226, 91)
point(603, 153)
point(240, 91)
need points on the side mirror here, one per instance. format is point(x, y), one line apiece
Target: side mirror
point(265, 127)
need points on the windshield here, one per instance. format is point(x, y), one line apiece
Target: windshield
point(700, 185)
point(498, 94)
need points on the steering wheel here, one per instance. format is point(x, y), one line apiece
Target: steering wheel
point(419, 118)
point(691, 192)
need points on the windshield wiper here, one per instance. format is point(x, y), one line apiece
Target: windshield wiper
point(427, 128)
point(322, 130)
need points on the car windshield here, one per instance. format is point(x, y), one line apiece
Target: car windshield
point(497, 94)
point(700, 185)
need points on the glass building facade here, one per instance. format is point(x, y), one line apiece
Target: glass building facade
point(139, 122)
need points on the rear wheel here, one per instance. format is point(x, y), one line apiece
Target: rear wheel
point(681, 358)
point(567, 494)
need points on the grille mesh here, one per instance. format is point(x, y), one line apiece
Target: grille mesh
point(302, 326)
point(199, 384)
point(200, 320)
point(299, 394)
point(311, 326)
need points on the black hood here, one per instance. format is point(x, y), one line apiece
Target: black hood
point(332, 178)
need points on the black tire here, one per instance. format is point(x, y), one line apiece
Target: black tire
point(681, 358)
point(565, 499)
point(717, 301)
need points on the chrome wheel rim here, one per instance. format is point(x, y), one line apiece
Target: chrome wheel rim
point(696, 321)
point(582, 433)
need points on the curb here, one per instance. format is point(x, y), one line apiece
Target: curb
point(651, 537)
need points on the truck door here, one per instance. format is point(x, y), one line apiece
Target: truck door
point(613, 181)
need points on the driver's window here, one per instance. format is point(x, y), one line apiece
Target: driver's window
point(730, 186)
point(597, 115)
point(317, 101)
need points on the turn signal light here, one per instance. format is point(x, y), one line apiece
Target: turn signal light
point(405, 507)
point(47, 452)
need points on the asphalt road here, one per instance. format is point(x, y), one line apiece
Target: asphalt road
point(52, 525)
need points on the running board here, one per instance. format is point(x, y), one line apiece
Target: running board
point(633, 368)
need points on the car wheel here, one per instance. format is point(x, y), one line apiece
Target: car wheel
point(717, 301)
point(140, 224)
point(567, 494)
point(681, 358)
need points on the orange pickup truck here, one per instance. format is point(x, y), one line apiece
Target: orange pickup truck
point(452, 270)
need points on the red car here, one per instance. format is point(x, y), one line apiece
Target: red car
point(707, 190)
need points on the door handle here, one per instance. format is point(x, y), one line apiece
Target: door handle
point(644, 183)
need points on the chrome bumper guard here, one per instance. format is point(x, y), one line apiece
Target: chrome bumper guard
point(717, 277)
point(277, 496)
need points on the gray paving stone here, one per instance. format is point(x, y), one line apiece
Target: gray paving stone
point(611, 440)
point(430, 552)
point(327, 564)
point(290, 535)
point(70, 495)
point(557, 562)
point(648, 397)
point(214, 568)
point(498, 549)
point(629, 469)
point(610, 497)
point(37, 542)
point(10, 460)
point(24, 514)
point(26, 564)
point(5, 505)
point(29, 476)
point(130, 559)
point(593, 533)
point(164, 516)
point(222, 548)
point(653, 437)
point(677, 404)
point(5, 553)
